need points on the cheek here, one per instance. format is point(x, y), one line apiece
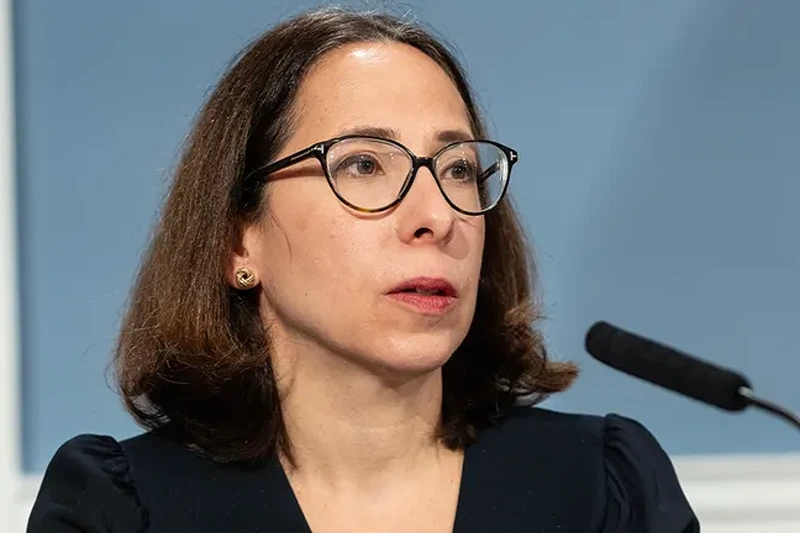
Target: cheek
point(351, 251)
point(314, 245)
point(476, 234)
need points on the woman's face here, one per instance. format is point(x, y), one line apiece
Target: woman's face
point(350, 285)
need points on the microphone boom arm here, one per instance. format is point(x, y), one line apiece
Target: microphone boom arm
point(751, 398)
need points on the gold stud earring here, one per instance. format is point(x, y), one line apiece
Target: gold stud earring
point(245, 278)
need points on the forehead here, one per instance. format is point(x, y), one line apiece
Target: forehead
point(388, 84)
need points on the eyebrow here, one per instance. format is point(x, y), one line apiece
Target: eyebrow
point(442, 136)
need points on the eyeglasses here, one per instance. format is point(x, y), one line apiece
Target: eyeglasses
point(372, 174)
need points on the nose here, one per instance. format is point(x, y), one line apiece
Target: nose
point(424, 216)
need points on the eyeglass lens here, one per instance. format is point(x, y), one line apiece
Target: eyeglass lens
point(370, 173)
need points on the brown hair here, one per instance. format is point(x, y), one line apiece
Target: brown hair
point(193, 355)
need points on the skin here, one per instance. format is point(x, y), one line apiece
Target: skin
point(359, 372)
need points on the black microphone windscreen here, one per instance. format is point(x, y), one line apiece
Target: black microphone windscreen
point(666, 367)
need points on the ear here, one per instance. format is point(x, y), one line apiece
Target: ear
point(241, 251)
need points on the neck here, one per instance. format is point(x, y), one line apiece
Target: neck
point(347, 425)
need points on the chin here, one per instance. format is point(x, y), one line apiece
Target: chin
point(413, 358)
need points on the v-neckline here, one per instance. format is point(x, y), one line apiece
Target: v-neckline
point(298, 523)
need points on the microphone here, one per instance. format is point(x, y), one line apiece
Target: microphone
point(677, 371)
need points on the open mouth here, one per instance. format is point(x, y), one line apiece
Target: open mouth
point(426, 287)
point(424, 292)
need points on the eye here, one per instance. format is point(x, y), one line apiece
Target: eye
point(359, 165)
point(459, 170)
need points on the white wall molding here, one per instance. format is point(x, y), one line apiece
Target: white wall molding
point(731, 494)
point(22, 501)
point(10, 428)
point(745, 493)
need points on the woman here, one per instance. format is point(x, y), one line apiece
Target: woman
point(332, 329)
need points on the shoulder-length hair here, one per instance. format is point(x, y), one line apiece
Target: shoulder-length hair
point(193, 355)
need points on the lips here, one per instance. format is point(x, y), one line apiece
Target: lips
point(426, 296)
point(426, 287)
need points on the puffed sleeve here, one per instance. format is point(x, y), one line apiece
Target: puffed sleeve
point(643, 492)
point(87, 488)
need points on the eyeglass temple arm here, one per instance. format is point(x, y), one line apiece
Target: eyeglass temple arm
point(494, 167)
point(289, 160)
point(483, 176)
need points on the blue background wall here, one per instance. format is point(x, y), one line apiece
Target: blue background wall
point(658, 178)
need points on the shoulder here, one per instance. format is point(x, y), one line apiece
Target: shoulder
point(562, 452)
point(544, 428)
point(611, 467)
point(87, 487)
point(152, 482)
point(572, 442)
point(523, 421)
point(184, 490)
point(596, 442)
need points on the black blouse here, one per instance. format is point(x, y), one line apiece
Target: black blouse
point(537, 471)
